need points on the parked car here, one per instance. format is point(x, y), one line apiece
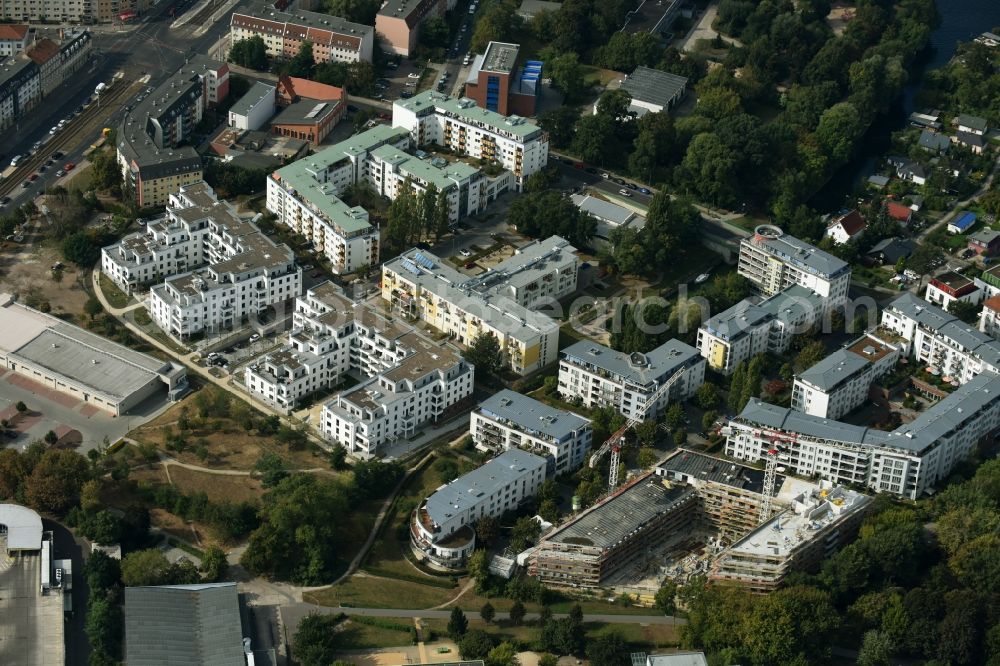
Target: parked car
point(406, 94)
point(701, 278)
point(68, 166)
point(58, 154)
point(33, 177)
point(645, 190)
point(4, 201)
point(465, 253)
point(60, 173)
point(625, 193)
point(413, 75)
point(255, 337)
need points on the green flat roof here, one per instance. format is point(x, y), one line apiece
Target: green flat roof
point(442, 177)
point(468, 110)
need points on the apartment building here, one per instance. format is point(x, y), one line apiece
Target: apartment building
point(20, 88)
point(466, 129)
point(942, 341)
point(398, 22)
point(14, 39)
point(948, 287)
point(841, 382)
point(989, 318)
point(774, 261)
point(154, 163)
point(509, 420)
point(503, 301)
point(750, 328)
point(333, 39)
point(441, 528)
point(599, 376)
point(818, 522)
point(909, 461)
point(219, 269)
point(57, 62)
point(395, 403)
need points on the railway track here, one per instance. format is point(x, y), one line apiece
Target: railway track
point(90, 120)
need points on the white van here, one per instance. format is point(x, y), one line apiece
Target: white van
point(16, 160)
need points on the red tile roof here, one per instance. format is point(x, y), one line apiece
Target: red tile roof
point(42, 51)
point(13, 31)
point(291, 88)
point(852, 223)
point(898, 211)
point(993, 303)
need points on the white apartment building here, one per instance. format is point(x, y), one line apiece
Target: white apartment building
point(908, 461)
point(441, 528)
point(395, 403)
point(509, 420)
point(948, 287)
point(989, 318)
point(503, 301)
point(748, 328)
point(219, 269)
point(14, 38)
point(841, 382)
point(333, 39)
point(945, 343)
point(774, 261)
point(597, 376)
point(433, 118)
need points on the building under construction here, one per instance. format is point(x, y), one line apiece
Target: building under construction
point(688, 494)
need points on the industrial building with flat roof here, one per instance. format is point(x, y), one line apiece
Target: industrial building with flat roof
point(599, 376)
point(82, 365)
point(497, 83)
point(653, 91)
point(333, 39)
point(505, 300)
point(508, 420)
point(441, 528)
point(183, 624)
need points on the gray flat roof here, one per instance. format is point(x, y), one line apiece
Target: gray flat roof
point(653, 86)
point(678, 659)
point(32, 624)
point(642, 369)
point(804, 254)
point(305, 112)
point(24, 527)
point(257, 92)
point(717, 470)
point(500, 57)
point(949, 326)
point(601, 209)
point(183, 624)
point(784, 418)
point(834, 370)
point(466, 490)
point(532, 415)
point(613, 520)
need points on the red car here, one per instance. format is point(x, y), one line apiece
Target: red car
point(33, 177)
point(68, 166)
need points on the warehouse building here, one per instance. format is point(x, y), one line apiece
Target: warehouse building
point(82, 365)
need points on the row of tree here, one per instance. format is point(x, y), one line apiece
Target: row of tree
point(414, 215)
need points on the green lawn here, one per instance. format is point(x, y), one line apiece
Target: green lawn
point(367, 592)
point(116, 297)
point(358, 636)
point(650, 636)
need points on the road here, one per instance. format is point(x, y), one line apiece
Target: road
point(67, 547)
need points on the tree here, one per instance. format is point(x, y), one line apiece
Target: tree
point(675, 416)
point(54, 483)
point(560, 123)
point(475, 644)
point(876, 649)
point(271, 469)
point(250, 52)
point(646, 458)
point(646, 431)
point(812, 354)
point(441, 222)
point(101, 572)
point(21, 407)
point(517, 612)
point(525, 531)
point(80, 249)
point(965, 310)
point(315, 641)
point(496, 23)
point(487, 529)
point(145, 567)
point(92, 307)
point(607, 650)
point(458, 624)
point(486, 355)
point(374, 479)
point(504, 654)
point(214, 564)
point(356, 11)
point(487, 612)
point(549, 213)
point(434, 32)
point(665, 599)
point(708, 419)
point(104, 627)
point(707, 396)
point(302, 64)
point(595, 140)
point(567, 75)
point(839, 128)
point(102, 527)
point(548, 659)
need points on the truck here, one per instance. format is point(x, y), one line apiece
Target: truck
point(101, 87)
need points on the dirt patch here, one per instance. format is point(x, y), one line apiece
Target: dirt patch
point(175, 526)
point(26, 270)
point(218, 488)
point(838, 18)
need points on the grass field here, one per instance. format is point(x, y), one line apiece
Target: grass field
point(369, 592)
point(218, 488)
point(358, 636)
point(645, 636)
point(116, 297)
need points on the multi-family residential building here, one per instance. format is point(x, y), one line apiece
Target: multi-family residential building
point(220, 269)
point(989, 318)
point(153, 162)
point(819, 521)
point(748, 328)
point(59, 61)
point(774, 261)
point(841, 382)
point(396, 402)
point(466, 129)
point(20, 88)
point(503, 301)
point(909, 461)
point(441, 528)
point(599, 376)
point(509, 420)
point(333, 39)
point(14, 38)
point(399, 21)
point(948, 287)
point(942, 341)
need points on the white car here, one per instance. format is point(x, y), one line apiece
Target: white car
point(701, 278)
point(413, 75)
point(255, 337)
point(605, 174)
point(624, 192)
point(465, 253)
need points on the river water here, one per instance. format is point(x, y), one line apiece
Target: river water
point(961, 20)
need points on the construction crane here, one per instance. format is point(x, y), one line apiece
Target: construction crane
point(771, 469)
point(613, 443)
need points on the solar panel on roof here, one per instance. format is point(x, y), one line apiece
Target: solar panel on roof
point(411, 267)
point(423, 261)
point(315, 110)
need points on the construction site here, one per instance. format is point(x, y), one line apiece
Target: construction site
point(697, 514)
